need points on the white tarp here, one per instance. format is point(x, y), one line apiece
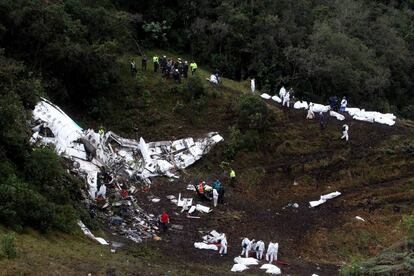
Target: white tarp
point(239, 268)
point(371, 116)
point(271, 269)
point(246, 261)
point(301, 105)
point(277, 99)
point(317, 108)
point(265, 96)
point(202, 245)
point(324, 198)
point(338, 116)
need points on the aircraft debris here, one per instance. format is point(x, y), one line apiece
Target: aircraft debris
point(323, 199)
point(113, 166)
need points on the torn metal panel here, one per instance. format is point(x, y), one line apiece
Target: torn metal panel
point(111, 165)
point(122, 156)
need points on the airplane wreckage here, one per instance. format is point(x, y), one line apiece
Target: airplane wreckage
point(112, 166)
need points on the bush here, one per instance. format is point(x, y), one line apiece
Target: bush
point(8, 247)
point(407, 226)
point(44, 170)
point(252, 114)
point(193, 89)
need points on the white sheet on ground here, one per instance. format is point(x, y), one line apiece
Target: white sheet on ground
point(246, 261)
point(272, 269)
point(277, 99)
point(338, 116)
point(265, 96)
point(202, 245)
point(239, 268)
point(301, 105)
point(320, 108)
point(323, 199)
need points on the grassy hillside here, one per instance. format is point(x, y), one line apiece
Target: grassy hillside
point(292, 161)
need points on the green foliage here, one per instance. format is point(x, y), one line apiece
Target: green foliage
point(362, 49)
point(8, 247)
point(352, 269)
point(253, 114)
point(157, 30)
point(193, 89)
point(407, 225)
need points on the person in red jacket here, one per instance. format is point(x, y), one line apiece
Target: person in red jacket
point(165, 220)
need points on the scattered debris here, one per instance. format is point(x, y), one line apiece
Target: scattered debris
point(323, 199)
point(293, 205)
point(114, 167)
point(88, 233)
point(202, 208)
point(359, 218)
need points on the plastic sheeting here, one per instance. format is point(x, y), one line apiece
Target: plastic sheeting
point(265, 96)
point(324, 198)
point(277, 99)
point(301, 105)
point(202, 245)
point(338, 116)
point(271, 269)
point(239, 268)
point(246, 261)
point(317, 108)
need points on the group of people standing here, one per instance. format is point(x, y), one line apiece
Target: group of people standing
point(259, 248)
point(170, 68)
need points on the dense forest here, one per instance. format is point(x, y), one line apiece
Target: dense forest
point(68, 50)
point(362, 49)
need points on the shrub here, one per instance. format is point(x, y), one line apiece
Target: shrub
point(8, 247)
point(407, 225)
point(193, 89)
point(252, 114)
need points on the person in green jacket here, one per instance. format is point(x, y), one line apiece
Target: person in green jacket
point(155, 60)
point(193, 67)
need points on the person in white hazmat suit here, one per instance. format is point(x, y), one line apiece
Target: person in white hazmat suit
point(223, 245)
point(215, 197)
point(271, 254)
point(286, 99)
point(345, 134)
point(253, 85)
point(344, 103)
point(282, 93)
point(245, 243)
point(260, 248)
point(311, 114)
point(250, 247)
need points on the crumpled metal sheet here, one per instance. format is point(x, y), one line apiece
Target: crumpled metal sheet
point(130, 158)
